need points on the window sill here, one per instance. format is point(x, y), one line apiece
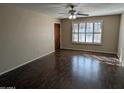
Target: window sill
point(100, 44)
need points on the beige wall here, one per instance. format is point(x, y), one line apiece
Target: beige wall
point(24, 36)
point(121, 40)
point(110, 34)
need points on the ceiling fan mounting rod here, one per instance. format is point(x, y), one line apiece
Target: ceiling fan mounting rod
point(72, 7)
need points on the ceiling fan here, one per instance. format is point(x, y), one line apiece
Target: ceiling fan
point(73, 13)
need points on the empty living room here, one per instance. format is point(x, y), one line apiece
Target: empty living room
point(62, 45)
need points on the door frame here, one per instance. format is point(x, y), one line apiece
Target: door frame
point(59, 36)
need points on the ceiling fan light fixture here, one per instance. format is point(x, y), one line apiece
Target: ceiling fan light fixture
point(72, 17)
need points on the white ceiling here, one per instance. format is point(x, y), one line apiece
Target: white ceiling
point(93, 9)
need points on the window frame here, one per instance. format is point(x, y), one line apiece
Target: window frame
point(87, 43)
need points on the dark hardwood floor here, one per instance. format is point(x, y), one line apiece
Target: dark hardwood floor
point(65, 69)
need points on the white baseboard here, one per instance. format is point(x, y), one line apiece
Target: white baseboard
point(25, 63)
point(90, 50)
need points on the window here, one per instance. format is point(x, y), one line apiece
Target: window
point(87, 32)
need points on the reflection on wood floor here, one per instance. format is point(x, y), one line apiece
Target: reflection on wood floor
point(66, 69)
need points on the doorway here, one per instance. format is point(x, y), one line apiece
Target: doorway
point(57, 35)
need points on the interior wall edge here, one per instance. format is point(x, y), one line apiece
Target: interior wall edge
point(90, 50)
point(121, 39)
point(1, 73)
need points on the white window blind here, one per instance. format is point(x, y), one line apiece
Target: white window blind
point(87, 32)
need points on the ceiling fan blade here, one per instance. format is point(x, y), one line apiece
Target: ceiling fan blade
point(83, 14)
point(63, 13)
